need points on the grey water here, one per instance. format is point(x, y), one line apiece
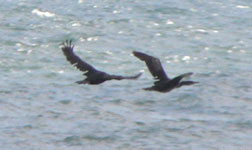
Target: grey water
point(42, 108)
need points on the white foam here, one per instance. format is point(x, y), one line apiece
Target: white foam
point(186, 58)
point(115, 12)
point(242, 51)
point(215, 31)
point(241, 6)
point(201, 30)
point(215, 14)
point(169, 22)
point(61, 71)
point(90, 39)
point(229, 51)
point(206, 48)
point(42, 13)
point(77, 24)
point(81, 1)
point(109, 52)
point(120, 32)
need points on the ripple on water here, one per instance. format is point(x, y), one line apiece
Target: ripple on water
point(73, 140)
point(42, 106)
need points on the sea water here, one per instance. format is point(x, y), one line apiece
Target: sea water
point(42, 108)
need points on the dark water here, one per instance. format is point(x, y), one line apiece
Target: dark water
point(41, 107)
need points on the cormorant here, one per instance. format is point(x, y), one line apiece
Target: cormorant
point(93, 76)
point(162, 83)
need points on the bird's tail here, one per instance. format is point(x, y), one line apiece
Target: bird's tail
point(125, 77)
point(148, 89)
point(186, 74)
point(183, 75)
point(177, 79)
point(187, 83)
point(82, 82)
point(134, 77)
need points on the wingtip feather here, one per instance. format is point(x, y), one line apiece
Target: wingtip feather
point(140, 55)
point(67, 46)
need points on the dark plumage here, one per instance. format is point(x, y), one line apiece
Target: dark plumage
point(162, 83)
point(93, 76)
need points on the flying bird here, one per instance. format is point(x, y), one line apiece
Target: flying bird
point(93, 76)
point(163, 83)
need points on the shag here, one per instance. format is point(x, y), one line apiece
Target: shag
point(93, 76)
point(162, 83)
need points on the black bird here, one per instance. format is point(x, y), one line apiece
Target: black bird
point(93, 76)
point(162, 83)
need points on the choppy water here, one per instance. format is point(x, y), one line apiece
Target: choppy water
point(41, 107)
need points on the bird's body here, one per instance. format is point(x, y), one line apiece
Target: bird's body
point(162, 83)
point(93, 76)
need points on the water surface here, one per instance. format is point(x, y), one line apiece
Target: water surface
point(41, 107)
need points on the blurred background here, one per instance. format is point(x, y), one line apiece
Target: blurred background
point(41, 106)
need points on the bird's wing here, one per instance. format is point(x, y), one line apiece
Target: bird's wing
point(75, 60)
point(154, 65)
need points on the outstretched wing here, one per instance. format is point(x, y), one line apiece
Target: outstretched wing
point(75, 60)
point(154, 65)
